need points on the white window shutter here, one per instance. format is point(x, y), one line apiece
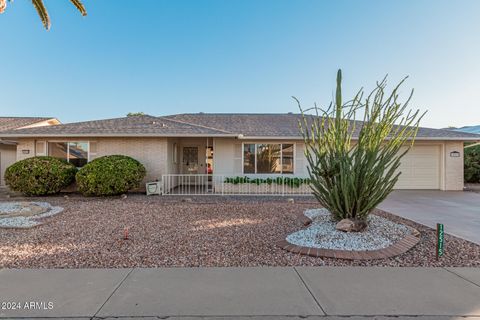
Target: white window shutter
point(237, 158)
point(40, 148)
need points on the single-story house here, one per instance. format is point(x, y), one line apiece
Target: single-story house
point(227, 145)
point(8, 148)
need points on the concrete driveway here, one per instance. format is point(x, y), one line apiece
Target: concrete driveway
point(458, 211)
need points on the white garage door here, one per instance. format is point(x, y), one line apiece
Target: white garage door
point(420, 168)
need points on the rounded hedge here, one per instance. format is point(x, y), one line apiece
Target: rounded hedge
point(39, 176)
point(110, 175)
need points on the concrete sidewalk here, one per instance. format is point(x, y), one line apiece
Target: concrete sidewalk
point(242, 293)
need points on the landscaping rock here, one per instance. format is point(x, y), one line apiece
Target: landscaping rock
point(351, 225)
point(323, 233)
point(212, 231)
point(25, 214)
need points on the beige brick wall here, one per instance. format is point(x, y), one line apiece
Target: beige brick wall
point(151, 152)
point(24, 145)
point(453, 166)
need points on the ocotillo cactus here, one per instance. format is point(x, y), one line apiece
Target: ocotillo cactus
point(354, 165)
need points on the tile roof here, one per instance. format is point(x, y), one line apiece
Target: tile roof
point(10, 123)
point(203, 124)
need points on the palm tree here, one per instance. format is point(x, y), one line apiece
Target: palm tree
point(42, 10)
point(3, 5)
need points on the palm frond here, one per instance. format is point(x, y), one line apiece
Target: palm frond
point(42, 12)
point(79, 5)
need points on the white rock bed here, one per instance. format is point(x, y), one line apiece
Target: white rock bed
point(321, 233)
point(25, 221)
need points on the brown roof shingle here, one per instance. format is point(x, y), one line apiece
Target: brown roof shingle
point(10, 123)
point(203, 124)
point(144, 125)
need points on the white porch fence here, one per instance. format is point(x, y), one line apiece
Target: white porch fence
point(214, 184)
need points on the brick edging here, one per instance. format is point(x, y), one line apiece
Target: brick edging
point(395, 249)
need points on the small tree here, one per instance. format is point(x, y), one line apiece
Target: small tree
point(353, 165)
point(472, 164)
point(135, 114)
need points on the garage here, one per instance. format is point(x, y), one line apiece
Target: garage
point(421, 168)
point(7, 157)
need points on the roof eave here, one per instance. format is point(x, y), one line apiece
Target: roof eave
point(242, 137)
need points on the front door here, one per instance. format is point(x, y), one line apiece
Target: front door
point(190, 160)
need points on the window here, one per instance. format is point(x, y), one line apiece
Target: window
point(78, 153)
point(268, 158)
point(73, 152)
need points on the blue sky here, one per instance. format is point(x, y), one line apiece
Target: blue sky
point(165, 57)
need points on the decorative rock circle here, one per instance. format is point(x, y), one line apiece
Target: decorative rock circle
point(398, 247)
point(25, 214)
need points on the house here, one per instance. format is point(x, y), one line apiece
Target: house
point(183, 148)
point(8, 148)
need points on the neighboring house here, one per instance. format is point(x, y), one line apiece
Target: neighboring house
point(228, 145)
point(8, 148)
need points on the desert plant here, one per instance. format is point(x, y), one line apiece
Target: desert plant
point(350, 178)
point(110, 175)
point(39, 176)
point(472, 164)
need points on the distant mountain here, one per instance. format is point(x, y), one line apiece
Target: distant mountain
point(470, 129)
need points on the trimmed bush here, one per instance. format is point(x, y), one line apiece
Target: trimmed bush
point(472, 164)
point(288, 181)
point(40, 176)
point(110, 175)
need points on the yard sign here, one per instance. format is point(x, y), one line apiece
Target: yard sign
point(440, 240)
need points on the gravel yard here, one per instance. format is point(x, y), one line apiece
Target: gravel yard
point(209, 231)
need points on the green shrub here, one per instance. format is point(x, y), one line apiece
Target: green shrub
point(292, 182)
point(39, 176)
point(110, 175)
point(472, 164)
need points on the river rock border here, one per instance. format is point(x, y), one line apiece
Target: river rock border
point(399, 247)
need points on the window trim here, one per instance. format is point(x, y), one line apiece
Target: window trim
point(281, 157)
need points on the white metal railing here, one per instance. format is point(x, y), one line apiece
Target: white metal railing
point(214, 184)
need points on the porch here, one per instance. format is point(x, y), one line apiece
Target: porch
point(218, 166)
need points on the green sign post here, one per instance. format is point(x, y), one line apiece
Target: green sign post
point(440, 240)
